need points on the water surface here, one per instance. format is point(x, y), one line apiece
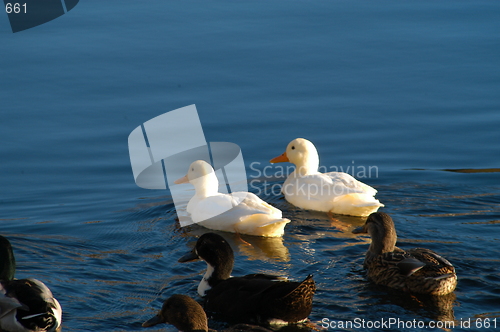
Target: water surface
point(408, 88)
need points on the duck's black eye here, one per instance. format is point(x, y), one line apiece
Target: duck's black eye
point(192, 169)
point(293, 147)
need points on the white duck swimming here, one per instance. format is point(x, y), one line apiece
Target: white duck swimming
point(333, 192)
point(239, 212)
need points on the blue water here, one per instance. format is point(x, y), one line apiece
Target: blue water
point(409, 88)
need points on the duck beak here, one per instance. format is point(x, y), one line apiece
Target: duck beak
point(189, 257)
point(184, 179)
point(153, 321)
point(280, 159)
point(360, 230)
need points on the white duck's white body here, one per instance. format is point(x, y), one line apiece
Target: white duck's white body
point(239, 212)
point(334, 192)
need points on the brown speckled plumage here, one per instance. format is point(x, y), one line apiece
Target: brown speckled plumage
point(416, 270)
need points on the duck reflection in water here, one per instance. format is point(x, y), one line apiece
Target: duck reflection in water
point(254, 247)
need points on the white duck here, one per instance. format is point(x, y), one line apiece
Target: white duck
point(239, 212)
point(333, 192)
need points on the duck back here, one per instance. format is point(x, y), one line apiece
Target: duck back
point(261, 299)
point(416, 270)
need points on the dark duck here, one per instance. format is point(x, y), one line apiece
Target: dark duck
point(254, 298)
point(26, 305)
point(187, 315)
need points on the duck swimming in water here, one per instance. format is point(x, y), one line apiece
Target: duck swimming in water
point(414, 270)
point(187, 315)
point(333, 192)
point(254, 298)
point(26, 305)
point(183, 312)
point(238, 212)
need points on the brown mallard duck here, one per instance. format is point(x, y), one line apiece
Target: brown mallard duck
point(182, 312)
point(187, 315)
point(416, 270)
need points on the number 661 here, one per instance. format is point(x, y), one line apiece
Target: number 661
point(14, 8)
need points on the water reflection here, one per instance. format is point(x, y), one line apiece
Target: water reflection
point(313, 226)
point(435, 308)
point(264, 249)
point(473, 170)
point(254, 247)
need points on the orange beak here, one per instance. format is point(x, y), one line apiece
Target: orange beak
point(279, 159)
point(184, 179)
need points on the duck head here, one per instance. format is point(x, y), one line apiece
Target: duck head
point(303, 154)
point(382, 231)
point(202, 176)
point(181, 311)
point(7, 260)
point(219, 256)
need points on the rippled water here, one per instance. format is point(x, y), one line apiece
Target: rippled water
point(410, 89)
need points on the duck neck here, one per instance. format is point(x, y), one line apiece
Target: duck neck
point(206, 186)
point(214, 275)
point(308, 164)
point(384, 241)
point(7, 260)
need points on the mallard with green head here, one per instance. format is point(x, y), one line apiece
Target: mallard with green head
point(26, 305)
point(416, 270)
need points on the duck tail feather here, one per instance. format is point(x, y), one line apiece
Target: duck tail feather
point(306, 288)
point(443, 276)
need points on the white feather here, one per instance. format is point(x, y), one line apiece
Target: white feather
point(241, 212)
